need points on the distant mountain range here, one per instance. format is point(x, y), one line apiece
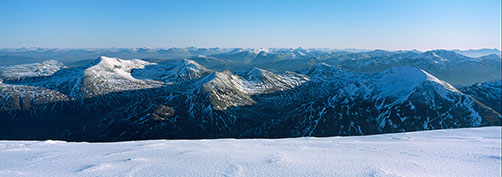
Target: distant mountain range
point(464, 67)
point(111, 99)
point(478, 53)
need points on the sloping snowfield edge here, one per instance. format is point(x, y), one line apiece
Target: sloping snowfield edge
point(452, 152)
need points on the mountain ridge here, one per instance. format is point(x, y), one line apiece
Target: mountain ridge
point(163, 100)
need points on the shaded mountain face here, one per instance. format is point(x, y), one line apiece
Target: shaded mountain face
point(488, 93)
point(114, 99)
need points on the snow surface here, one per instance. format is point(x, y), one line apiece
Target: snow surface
point(454, 152)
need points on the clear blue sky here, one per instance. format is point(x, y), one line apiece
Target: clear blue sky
point(370, 24)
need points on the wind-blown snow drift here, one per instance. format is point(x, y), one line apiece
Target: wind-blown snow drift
point(459, 152)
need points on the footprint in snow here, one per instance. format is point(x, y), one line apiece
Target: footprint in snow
point(233, 170)
point(274, 158)
point(91, 168)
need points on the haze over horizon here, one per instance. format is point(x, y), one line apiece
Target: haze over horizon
point(387, 25)
point(156, 48)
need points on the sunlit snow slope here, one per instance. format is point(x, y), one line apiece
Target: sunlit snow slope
point(453, 152)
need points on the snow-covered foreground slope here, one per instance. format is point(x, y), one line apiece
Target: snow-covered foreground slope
point(453, 152)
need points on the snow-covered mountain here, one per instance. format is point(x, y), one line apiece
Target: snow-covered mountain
point(260, 81)
point(398, 99)
point(173, 72)
point(464, 67)
point(70, 56)
point(104, 75)
point(115, 99)
point(446, 65)
point(24, 71)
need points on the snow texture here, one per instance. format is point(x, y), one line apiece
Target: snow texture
point(453, 152)
point(46, 68)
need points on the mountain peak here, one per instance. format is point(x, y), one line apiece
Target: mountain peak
point(173, 71)
point(323, 70)
point(117, 64)
point(224, 89)
point(408, 72)
point(192, 64)
point(255, 72)
point(114, 74)
point(189, 70)
point(403, 79)
point(442, 55)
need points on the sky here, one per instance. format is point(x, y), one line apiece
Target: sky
point(364, 24)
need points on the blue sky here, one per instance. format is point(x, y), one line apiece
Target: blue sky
point(369, 24)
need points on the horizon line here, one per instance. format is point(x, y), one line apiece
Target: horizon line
point(329, 48)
